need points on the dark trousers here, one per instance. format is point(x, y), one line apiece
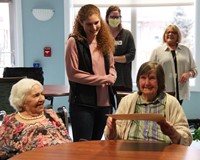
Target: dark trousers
point(181, 102)
point(88, 123)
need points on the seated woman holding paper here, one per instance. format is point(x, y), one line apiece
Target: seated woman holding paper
point(150, 98)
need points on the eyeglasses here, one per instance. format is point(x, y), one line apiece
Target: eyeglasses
point(115, 17)
point(172, 32)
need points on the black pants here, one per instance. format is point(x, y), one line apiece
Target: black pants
point(181, 102)
point(88, 123)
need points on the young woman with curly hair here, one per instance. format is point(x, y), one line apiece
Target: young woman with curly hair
point(91, 72)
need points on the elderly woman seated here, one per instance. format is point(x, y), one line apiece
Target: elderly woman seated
point(31, 126)
point(150, 98)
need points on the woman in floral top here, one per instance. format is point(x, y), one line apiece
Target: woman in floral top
point(31, 126)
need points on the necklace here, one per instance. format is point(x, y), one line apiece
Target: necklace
point(31, 118)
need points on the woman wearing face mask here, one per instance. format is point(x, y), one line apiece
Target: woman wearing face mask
point(124, 49)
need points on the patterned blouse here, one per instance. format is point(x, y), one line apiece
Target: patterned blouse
point(24, 137)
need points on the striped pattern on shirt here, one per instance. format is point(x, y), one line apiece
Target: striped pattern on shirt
point(149, 130)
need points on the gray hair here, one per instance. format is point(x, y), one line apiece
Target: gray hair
point(160, 75)
point(19, 91)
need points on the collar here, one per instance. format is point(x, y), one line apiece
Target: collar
point(159, 99)
point(165, 46)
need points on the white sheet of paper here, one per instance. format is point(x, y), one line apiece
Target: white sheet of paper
point(137, 116)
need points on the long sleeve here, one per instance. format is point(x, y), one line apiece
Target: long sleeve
point(125, 48)
point(185, 62)
point(130, 54)
point(126, 106)
point(77, 75)
point(176, 116)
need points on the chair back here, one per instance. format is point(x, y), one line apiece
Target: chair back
point(30, 72)
point(2, 115)
point(6, 84)
point(63, 114)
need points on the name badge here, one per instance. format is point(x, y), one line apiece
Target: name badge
point(119, 43)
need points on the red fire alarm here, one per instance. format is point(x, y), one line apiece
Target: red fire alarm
point(47, 51)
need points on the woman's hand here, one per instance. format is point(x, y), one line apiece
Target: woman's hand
point(185, 77)
point(111, 127)
point(110, 79)
point(111, 123)
point(168, 129)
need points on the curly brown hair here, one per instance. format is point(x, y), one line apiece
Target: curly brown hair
point(105, 41)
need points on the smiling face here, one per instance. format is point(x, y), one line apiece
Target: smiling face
point(34, 101)
point(150, 80)
point(148, 85)
point(171, 36)
point(92, 26)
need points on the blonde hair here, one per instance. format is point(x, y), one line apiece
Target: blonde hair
point(175, 29)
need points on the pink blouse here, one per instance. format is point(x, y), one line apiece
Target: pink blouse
point(97, 79)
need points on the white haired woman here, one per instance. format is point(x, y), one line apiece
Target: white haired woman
point(31, 126)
